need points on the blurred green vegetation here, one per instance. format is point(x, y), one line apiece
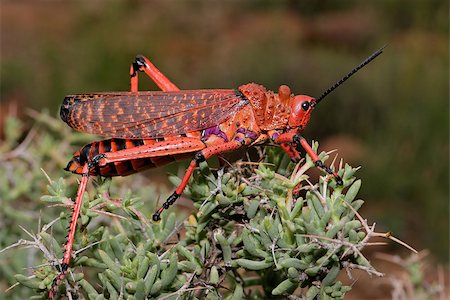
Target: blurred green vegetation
point(393, 115)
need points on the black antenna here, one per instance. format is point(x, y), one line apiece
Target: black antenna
point(361, 65)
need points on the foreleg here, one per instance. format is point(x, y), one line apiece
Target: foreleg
point(299, 141)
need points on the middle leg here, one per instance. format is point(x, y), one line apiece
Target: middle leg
point(198, 158)
point(291, 151)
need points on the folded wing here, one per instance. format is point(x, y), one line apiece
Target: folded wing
point(137, 115)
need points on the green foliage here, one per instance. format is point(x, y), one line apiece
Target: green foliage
point(265, 220)
point(22, 182)
point(257, 230)
point(247, 220)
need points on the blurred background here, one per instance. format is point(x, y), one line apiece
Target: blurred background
point(392, 118)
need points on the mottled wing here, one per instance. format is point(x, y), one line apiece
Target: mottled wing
point(150, 114)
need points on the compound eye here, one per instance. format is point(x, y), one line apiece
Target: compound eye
point(305, 105)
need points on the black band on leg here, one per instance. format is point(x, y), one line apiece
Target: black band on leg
point(63, 267)
point(320, 164)
point(96, 160)
point(199, 158)
point(171, 200)
point(139, 60)
point(327, 169)
point(138, 63)
point(296, 142)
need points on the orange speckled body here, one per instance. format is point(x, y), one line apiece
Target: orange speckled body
point(271, 110)
point(251, 113)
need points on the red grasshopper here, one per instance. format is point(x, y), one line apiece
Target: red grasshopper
point(153, 128)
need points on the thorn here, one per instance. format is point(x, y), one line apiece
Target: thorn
point(46, 175)
point(334, 160)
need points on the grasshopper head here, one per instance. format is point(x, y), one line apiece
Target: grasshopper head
point(301, 108)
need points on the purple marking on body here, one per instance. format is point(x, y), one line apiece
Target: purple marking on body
point(275, 136)
point(214, 131)
point(239, 139)
point(251, 135)
point(248, 133)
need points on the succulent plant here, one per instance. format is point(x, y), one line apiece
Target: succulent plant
point(259, 230)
